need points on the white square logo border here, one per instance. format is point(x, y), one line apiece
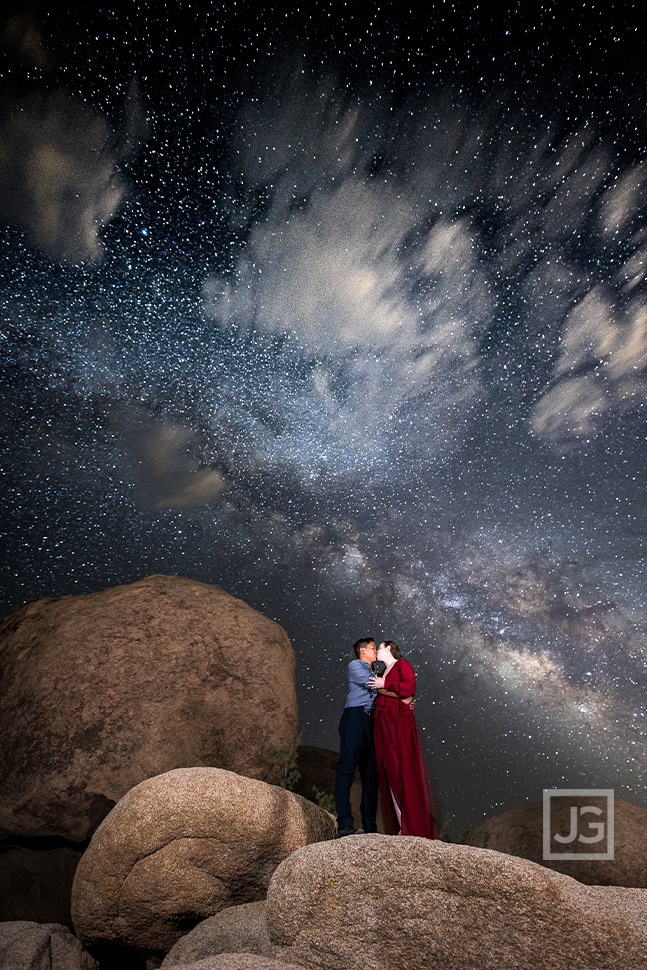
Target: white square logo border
point(549, 793)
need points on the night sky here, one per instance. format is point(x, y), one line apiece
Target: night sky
point(345, 311)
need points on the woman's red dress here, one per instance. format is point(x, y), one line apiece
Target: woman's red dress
point(399, 760)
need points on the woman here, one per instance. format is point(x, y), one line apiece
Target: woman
point(402, 778)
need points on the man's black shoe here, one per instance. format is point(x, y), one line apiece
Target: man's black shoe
point(349, 831)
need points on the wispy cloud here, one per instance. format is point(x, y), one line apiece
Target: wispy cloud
point(58, 177)
point(602, 365)
point(389, 242)
point(166, 473)
point(59, 156)
point(386, 297)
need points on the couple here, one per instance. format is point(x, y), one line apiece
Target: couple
point(378, 734)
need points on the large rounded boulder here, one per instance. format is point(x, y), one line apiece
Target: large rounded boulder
point(384, 902)
point(179, 848)
point(99, 692)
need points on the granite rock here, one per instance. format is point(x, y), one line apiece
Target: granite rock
point(381, 902)
point(25, 945)
point(180, 847)
point(238, 929)
point(99, 692)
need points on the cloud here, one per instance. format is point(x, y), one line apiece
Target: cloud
point(384, 244)
point(346, 254)
point(339, 278)
point(58, 177)
point(602, 366)
point(623, 201)
point(24, 41)
point(165, 474)
point(304, 133)
point(571, 205)
point(353, 266)
point(329, 275)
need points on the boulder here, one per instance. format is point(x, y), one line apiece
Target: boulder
point(238, 961)
point(41, 946)
point(99, 692)
point(520, 833)
point(179, 848)
point(36, 883)
point(416, 903)
point(238, 929)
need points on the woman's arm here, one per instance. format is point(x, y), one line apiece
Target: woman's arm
point(406, 686)
point(409, 701)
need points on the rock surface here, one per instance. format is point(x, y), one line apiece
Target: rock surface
point(99, 692)
point(238, 961)
point(238, 929)
point(409, 902)
point(179, 848)
point(520, 833)
point(41, 946)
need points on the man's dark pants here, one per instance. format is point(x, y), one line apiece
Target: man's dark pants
point(356, 749)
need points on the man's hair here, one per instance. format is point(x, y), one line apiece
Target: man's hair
point(364, 642)
point(395, 649)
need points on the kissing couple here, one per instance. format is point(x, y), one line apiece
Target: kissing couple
point(378, 734)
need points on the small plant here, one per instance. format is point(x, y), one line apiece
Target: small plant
point(282, 764)
point(325, 800)
point(443, 833)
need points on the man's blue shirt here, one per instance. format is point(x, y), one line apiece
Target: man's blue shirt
point(359, 694)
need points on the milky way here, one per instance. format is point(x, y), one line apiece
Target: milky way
point(346, 314)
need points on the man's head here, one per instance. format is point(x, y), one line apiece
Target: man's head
point(365, 649)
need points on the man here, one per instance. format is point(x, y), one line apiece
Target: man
point(356, 746)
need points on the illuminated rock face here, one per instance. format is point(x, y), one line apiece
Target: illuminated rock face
point(179, 848)
point(99, 692)
point(422, 904)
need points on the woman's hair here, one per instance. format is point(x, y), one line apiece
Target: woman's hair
point(395, 649)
